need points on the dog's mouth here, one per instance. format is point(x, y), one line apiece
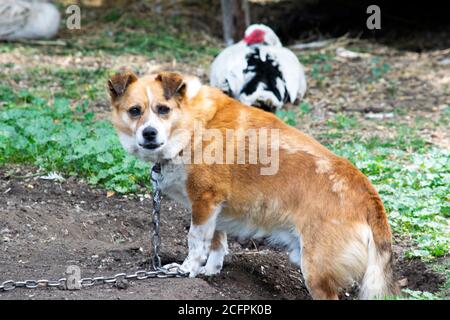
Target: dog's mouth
point(150, 146)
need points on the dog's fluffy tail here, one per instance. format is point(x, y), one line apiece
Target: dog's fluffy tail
point(378, 281)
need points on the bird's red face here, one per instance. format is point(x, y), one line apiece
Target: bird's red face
point(256, 37)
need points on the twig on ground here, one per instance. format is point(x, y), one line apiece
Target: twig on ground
point(26, 177)
point(248, 253)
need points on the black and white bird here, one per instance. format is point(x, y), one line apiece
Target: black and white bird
point(259, 71)
point(28, 19)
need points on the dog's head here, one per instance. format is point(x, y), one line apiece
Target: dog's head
point(149, 112)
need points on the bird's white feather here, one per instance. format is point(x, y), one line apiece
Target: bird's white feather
point(227, 69)
point(292, 70)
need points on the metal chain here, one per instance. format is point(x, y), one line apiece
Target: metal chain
point(157, 272)
point(156, 239)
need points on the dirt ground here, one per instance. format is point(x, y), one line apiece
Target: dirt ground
point(47, 226)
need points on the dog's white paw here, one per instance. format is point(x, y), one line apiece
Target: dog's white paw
point(210, 270)
point(192, 267)
point(214, 263)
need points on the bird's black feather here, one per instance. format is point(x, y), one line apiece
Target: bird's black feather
point(266, 72)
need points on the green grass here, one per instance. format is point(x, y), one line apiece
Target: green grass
point(341, 122)
point(308, 58)
point(113, 33)
point(51, 82)
point(417, 295)
point(288, 116)
point(379, 68)
point(291, 116)
point(413, 180)
point(319, 72)
point(60, 138)
point(79, 83)
point(155, 44)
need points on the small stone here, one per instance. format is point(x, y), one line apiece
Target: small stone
point(122, 284)
point(402, 282)
point(379, 116)
point(5, 231)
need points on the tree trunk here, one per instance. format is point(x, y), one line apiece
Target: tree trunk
point(236, 18)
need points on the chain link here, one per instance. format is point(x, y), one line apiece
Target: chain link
point(157, 272)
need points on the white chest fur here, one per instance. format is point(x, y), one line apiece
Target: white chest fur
point(172, 182)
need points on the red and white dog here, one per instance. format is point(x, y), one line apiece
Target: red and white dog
point(319, 205)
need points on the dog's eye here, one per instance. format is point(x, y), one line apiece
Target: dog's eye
point(135, 111)
point(162, 109)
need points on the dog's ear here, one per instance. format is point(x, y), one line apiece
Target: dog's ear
point(119, 83)
point(173, 84)
point(177, 86)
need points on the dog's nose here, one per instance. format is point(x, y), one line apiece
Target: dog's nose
point(150, 133)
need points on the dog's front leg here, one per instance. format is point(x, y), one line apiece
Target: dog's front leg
point(200, 236)
point(218, 251)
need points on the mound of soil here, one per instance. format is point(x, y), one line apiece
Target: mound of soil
point(47, 226)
